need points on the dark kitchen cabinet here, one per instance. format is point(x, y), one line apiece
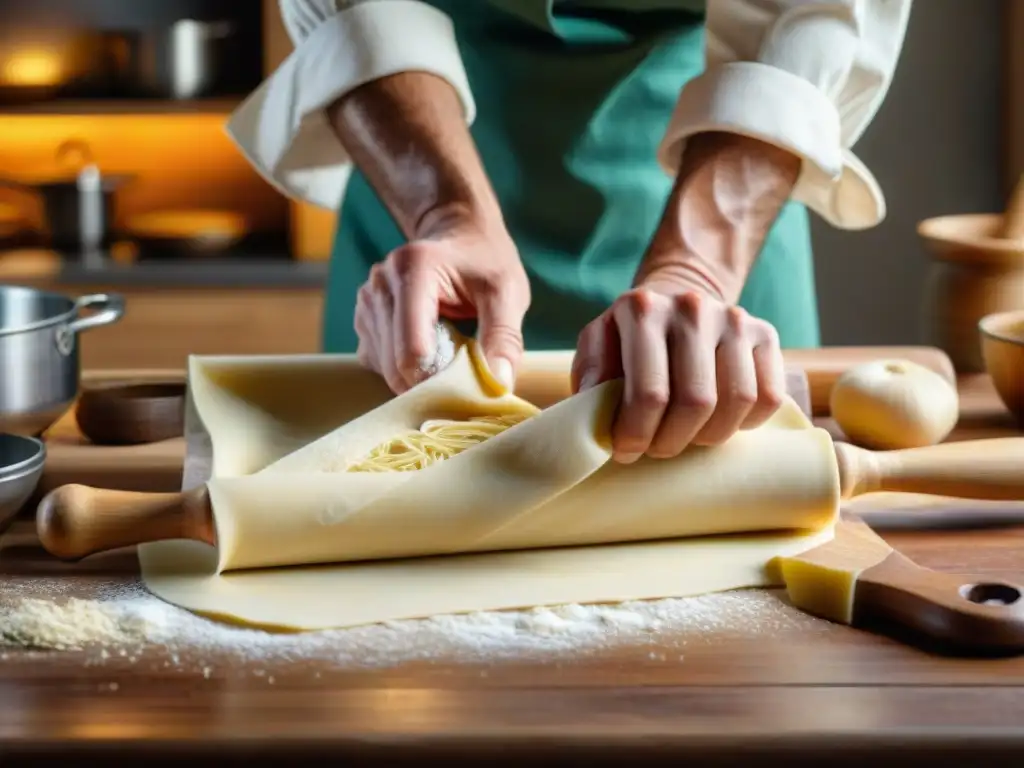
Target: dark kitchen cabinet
point(115, 49)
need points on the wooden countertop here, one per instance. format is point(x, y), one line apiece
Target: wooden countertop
point(805, 692)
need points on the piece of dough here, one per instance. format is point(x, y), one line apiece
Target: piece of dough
point(893, 404)
point(282, 497)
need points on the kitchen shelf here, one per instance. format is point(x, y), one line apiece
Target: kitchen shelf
point(238, 269)
point(123, 106)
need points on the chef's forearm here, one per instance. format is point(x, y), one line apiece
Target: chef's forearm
point(728, 193)
point(408, 135)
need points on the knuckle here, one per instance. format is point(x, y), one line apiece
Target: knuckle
point(768, 333)
point(770, 398)
point(364, 301)
point(736, 320)
point(743, 397)
point(408, 260)
point(699, 402)
point(377, 279)
point(637, 304)
point(689, 306)
point(651, 397)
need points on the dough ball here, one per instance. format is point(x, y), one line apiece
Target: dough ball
point(891, 404)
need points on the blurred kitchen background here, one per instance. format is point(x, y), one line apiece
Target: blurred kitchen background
point(121, 104)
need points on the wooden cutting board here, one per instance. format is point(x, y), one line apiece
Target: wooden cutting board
point(157, 467)
point(71, 458)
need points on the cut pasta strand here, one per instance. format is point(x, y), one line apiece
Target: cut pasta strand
point(434, 441)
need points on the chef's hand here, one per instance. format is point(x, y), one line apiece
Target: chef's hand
point(465, 272)
point(696, 369)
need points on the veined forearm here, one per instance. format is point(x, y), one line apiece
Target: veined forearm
point(407, 134)
point(727, 195)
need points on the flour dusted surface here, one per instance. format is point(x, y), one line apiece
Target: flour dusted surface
point(118, 619)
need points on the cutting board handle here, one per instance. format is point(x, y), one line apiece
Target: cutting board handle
point(973, 469)
point(75, 521)
point(969, 612)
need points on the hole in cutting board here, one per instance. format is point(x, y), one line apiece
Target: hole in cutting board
point(991, 594)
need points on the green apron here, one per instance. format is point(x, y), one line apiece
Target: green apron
point(572, 102)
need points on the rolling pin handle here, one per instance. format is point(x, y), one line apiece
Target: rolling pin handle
point(75, 521)
point(991, 469)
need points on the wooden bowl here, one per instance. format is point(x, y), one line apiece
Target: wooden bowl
point(131, 413)
point(973, 273)
point(1002, 344)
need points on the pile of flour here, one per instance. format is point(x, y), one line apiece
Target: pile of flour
point(125, 620)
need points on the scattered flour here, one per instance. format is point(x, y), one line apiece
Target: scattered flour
point(124, 620)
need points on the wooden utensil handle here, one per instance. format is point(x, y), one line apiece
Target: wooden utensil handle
point(74, 521)
point(973, 469)
point(1012, 227)
point(971, 613)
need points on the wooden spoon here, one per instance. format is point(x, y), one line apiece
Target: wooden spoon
point(74, 521)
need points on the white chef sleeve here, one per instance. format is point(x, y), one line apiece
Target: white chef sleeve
point(805, 75)
point(282, 128)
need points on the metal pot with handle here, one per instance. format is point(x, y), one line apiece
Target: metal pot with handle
point(79, 207)
point(185, 60)
point(39, 356)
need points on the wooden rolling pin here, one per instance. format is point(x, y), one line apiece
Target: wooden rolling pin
point(75, 520)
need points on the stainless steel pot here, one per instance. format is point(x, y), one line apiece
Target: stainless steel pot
point(185, 60)
point(79, 207)
point(39, 360)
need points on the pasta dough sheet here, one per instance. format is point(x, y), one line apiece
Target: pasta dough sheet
point(284, 431)
point(333, 596)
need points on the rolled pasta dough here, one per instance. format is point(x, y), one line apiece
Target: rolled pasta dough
point(411, 544)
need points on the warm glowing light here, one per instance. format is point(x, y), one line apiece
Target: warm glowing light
point(33, 68)
point(177, 161)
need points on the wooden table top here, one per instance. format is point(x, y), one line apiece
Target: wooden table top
point(794, 688)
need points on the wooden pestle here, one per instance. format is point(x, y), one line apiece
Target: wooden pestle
point(75, 521)
point(1012, 227)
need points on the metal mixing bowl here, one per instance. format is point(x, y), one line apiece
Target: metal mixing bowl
point(21, 466)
